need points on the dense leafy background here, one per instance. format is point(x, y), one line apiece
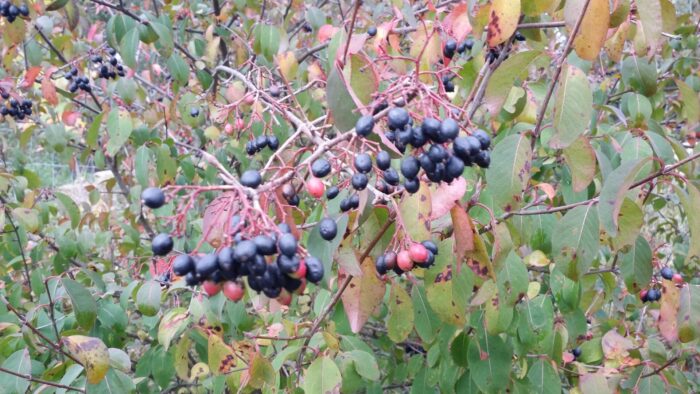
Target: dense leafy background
point(593, 188)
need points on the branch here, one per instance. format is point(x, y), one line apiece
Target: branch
point(8, 213)
point(36, 380)
point(557, 71)
point(661, 368)
point(125, 189)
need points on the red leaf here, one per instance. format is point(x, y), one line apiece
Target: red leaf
point(30, 76)
point(326, 32)
point(457, 22)
point(446, 196)
point(70, 117)
point(48, 90)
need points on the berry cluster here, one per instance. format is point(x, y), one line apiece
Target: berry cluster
point(15, 108)
point(77, 82)
point(418, 255)
point(109, 68)
point(451, 46)
point(261, 142)
point(11, 11)
point(439, 162)
point(272, 263)
point(654, 294)
point(650, 295)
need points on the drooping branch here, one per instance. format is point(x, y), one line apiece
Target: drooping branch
point(41, 381)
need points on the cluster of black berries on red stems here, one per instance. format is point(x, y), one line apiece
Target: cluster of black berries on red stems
point(272, 263)
point(261, 142)
point(77, 81)
point(110, 67)
point(11, 11)
point(431, 151)
point(654, 294)
point(18, 109)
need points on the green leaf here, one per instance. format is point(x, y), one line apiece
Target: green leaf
point(340, 103)
point(363, 78)
point(173, 323)
point(119, 127)
point(572, 107)
point(148, 298)
point(267, 40)
point(631, 222)
point(94, 131)
point(594, 383)
point(651, 384)
point(636, 267)
point(365, 364)
point(612, 194)
point(70, 207)
point(510, 170)
point(178, 68)
point(142, 164)
point(27, 218)
point(640, 75)
point(119, 359)
point(416, 212)
point(688, 316)
point(575, 240)
point(651, 20)
point(115, 381)
point(512, 280)
point(261, 372)
point(56, 5)
point(322, 377)
point(166, 166)
point(400, 322)
point(84, 306)
point(18, 362)
point(458, 349)
point(690, 101)
point(128, 46)
point(425, 319)
point(544, 377)
point(447, 288)
point(504, 77)
point(490, 363)
point(165, 39)
point(690, 201)
point(580, 157)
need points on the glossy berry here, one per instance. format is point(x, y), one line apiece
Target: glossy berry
point(418, 253)
point(354, 201)
point(314, 269)
point(332, 192)
point(519, 36)
point(449, 129)
point(245, 251)
point(390, 260)
point(372, 31)
point(320, 168)
point(191, 279)
point(644, 295)
point(431, 128)
point(273, 143)
point(410, 167)
point(287, 245)
point(391, 177)
point(251, 178)
point(418, 139)
point(363, 163)
point(576, 352)
point(431, 246)
point(315, 187)
point(437, 153)
point(364, 125)
point(265, 245)
point(233, 291)
point(345, 204)
point(411, 185)
point(153, 197)
point(194, 112)
point(483, 159)
point(447, 84)
point(162, 244)
point(211, 288)
point(454, 167)
point(653, 295)
point(287, 265)
point(183, 264)
point(667, 273)
point(359, 181)
point(383, 160)
point(403, 261)
point(294, 200)
point(397, 118)
point(483, 137)
point(261, 142)
point(380, 265)
point(450, 48)
point(328, 229)
point(227, 262)
point(207, 265)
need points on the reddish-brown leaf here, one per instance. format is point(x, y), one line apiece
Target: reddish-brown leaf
point(446, 196)
point(362, 295)
point(30, 76)
point(463, 234)
point(668, 313)
point(457, 22)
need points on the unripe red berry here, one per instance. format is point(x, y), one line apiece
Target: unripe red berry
point(418, 253)
point(284, 298)
point(211, 288)
point(233, 291)
point(403, 259)
point(677, 279)
point(228, 129)
point(301, 271)
point(315, 188)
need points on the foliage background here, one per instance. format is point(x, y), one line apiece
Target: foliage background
point(591, 192)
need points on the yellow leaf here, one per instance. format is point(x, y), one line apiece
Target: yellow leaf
point(537, 259)
point(616, 43)
point(92, 353)
point(503, 20)
point(594, 27)
point(288, 65)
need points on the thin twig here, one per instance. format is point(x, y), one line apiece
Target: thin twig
point(27, 278)
point(42, 381)
point(661, 368)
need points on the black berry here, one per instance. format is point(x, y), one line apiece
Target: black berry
point(372, 31)
point(383, 160)
point(206, 265)
point(183, 265)
point(287, 244)
point(314, 269)
point(397, 118)
point(410, 167)
point(162, 244)
point(483, 138)
point(359, 181)
point(332, 192)
point(328, 229)
point(153, 197)
point(245, 251)
point(667, 273)
point(265, 245)
point(320, 168)
point(391, 177)
point(251, 178)
point(363, 163)
point(364, 125)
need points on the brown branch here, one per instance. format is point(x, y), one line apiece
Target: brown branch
point(352, 27)
point(27, 278)
point(42, 381)
point(542, 25)
point(557, 72)
point(317, 323)
point(661, 368)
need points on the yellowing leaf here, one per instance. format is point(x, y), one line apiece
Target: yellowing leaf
point(594, 27)
point(668, 313)
point(92, 353)
point(650, 23)
point(426, 44)
point(288, 65)
point(503, 20)
point(362, 295)
point(537, 259)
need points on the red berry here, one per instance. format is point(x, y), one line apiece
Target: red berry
point(239, 123)
point(315, 187)
point(418, 253)
point(233, 291)
point(677, 279)
point(301, 271)
point(284, 298)
point(643, 295)
point(211, 288)
point(228, 129)
point(404, 261)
